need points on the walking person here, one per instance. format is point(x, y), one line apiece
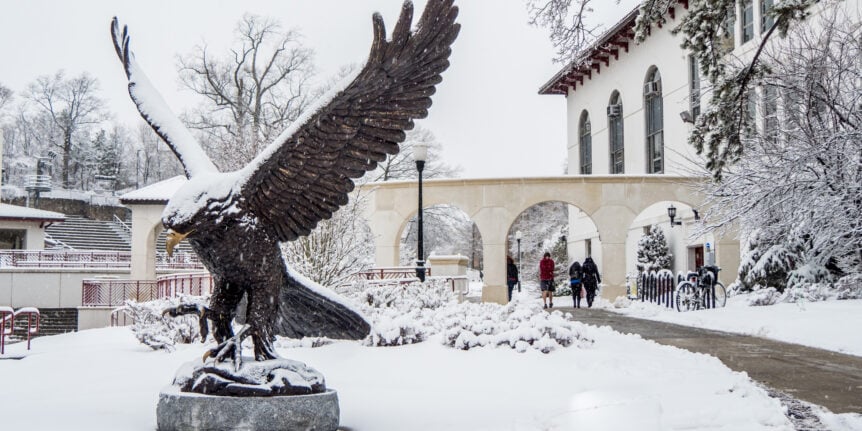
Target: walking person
point(511, 275)
point(591, 279)
point(576, 274)
point(546, 277)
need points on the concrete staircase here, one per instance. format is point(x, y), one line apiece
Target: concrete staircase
point(79, 233)
point(54, 321)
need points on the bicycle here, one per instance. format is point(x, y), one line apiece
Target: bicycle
point(700, 290)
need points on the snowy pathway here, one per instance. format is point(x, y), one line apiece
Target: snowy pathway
point(830, 379)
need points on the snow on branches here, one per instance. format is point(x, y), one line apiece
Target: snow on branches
point(162, 332)
point(653, 252)
point(412, 313)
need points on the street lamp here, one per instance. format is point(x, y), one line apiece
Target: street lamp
point(671, 212)
point(420, 153)
point(518, 236)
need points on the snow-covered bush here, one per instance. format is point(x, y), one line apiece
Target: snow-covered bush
point(162, 332)
point(402, 313)
point(520, 325)
point(849, 287)
point(764, 296)
point(563, 289)
point(412, 313)
point(808, 293)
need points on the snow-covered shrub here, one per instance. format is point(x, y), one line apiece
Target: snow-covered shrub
point(402, 313)
point(764, 296)
point(163, 331)
point(412, 313)
point(808, 293)
point(849, 287)
point(520, 325)
point(563, 289)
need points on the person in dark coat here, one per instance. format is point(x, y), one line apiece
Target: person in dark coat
point(575, 276)
point(546, 277)
point(591, 279)
point(511, 275)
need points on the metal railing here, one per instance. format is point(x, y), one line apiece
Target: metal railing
point(38, 183)
point(7, 324)
point(114, 293)
point(657, 288)
point(389, 273)
point(90, 259)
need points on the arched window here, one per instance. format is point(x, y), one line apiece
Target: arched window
point(585, 142)
point(615, 133)
point(654, 122)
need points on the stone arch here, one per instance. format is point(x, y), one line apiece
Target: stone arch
point(403, 230)
point(612, 202)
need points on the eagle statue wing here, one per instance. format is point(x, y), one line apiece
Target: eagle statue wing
point(155, 111)
point(306, 173)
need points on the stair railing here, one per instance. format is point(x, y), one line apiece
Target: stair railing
point(6, 314)
point(30, 313)
point(126, 228)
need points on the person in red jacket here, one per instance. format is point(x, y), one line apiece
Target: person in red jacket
point(546, 275)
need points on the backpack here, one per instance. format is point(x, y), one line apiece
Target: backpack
point(575, 271)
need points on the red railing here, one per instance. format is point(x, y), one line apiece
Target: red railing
point(7, 317)
point(113, 293)
point(196, 284)
point(90, 259)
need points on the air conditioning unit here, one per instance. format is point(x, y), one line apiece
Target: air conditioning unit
point(651, 88)
point(615, 110)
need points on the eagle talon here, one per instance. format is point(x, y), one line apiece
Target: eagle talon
point(231, 347)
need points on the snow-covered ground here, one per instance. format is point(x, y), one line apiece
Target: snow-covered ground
point(825, 324)
point(106, 380)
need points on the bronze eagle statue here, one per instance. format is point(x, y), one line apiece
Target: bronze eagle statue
point(235, 220)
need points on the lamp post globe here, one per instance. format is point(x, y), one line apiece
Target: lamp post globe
point(420, 153)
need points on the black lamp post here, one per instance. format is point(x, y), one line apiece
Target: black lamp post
point(518, 238)
point(420, 153)
point(671, 212)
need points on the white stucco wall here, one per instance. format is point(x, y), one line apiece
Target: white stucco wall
point(47, 288)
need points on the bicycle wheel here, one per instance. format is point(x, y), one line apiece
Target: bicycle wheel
point(686, 297)
point(720, 295)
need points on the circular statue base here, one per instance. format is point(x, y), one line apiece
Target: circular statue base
point(183, 411)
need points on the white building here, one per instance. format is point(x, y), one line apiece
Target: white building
point(630, 109)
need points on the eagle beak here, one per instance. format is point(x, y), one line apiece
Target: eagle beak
point(173, 239)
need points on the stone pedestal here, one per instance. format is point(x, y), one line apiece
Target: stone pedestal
point(181, 411)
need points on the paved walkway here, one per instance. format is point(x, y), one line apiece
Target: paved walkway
point(830, 379)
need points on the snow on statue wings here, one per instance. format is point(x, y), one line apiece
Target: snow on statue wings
point(234, 221)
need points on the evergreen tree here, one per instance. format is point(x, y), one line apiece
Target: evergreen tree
point(653, 252)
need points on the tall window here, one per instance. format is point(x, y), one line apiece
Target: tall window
point(654, 122)
point(586, 145)
point(615, 134)
point(766, 18)
point(770, 112)
point(693, 87)
point(729, 27)
point(750, 126)
point(747, 20)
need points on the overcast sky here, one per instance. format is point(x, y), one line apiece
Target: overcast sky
point(487, 112)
